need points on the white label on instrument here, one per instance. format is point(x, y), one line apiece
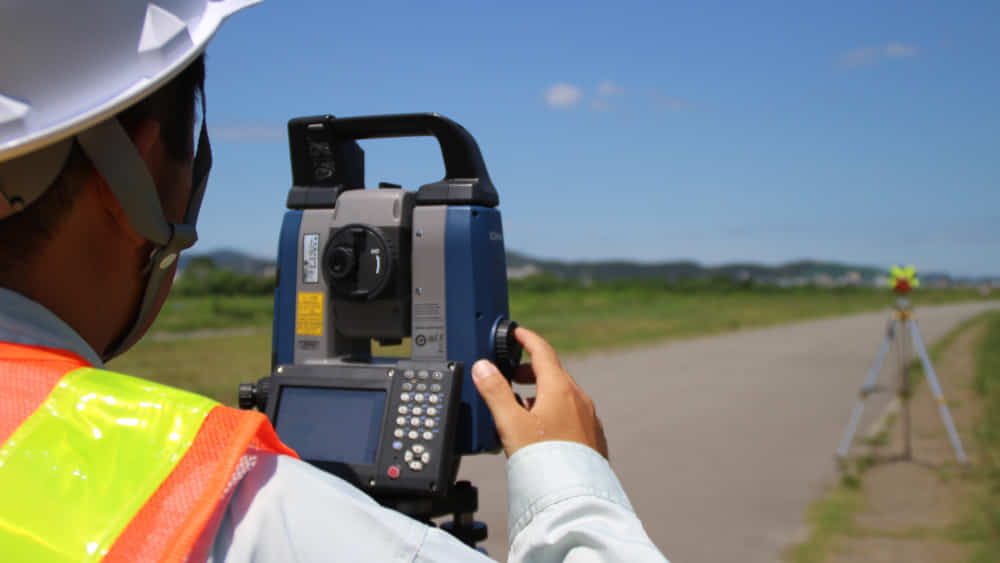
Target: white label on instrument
point(310, 258)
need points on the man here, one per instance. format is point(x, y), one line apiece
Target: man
point(101, 182)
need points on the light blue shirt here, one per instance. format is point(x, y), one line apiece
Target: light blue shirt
point(564, 501)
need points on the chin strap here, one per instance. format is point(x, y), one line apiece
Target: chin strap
point(116, 158)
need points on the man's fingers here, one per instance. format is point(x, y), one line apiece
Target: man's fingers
point(602, 439)
point(524, 374)
point(545, 364)
point(495, 390)
point(540, 350)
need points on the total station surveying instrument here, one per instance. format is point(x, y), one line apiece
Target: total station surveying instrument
point(386, 264)
point(902, 325)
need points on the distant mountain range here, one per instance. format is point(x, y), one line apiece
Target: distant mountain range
point(802, 271)
point(234, 260)
point(521, 265)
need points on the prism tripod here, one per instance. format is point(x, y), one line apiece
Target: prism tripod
point(900, 327)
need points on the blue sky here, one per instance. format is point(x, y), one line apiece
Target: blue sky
point(866, 132)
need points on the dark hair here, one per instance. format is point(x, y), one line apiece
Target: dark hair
point(174, 106)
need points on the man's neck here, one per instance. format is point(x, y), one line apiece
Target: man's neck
point(82, 274)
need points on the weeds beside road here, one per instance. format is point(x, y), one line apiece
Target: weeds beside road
point(928, 509)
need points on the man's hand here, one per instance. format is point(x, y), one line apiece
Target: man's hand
point(560, 411)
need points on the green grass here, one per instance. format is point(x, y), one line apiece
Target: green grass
point(181, 314)
point(574, 319)
point(213, 367)
point(583, 319)
point(983, 526)
point(916, 367)
point(830, 517)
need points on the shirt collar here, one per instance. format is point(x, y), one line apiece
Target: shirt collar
point(23, 321)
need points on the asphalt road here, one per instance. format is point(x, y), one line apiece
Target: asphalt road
point(722, 442)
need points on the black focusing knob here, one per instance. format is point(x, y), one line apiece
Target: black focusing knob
point(506, 347)
point(341, 262)
point(358, 262)
point(251, 395)
point(247, 393)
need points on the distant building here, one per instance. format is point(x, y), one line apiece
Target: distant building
point(823, 280)
point(522, 272)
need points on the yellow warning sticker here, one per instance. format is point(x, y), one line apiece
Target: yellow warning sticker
point(309, 314)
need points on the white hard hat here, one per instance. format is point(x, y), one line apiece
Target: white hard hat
point(69, 67)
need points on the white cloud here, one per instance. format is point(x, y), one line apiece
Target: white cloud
point(562, 95)
point(247, 133)
point(867, 56)
point(608, 89)
point(609, 97)
point(894, 50)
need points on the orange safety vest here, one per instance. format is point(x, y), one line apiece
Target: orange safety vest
point(96, 465)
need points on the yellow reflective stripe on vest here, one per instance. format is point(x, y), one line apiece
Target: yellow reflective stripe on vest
point(77, 471)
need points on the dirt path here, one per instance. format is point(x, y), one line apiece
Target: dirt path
point(910, 509)
point(722, 442)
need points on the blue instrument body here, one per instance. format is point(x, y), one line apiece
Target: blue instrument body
point(475, 280)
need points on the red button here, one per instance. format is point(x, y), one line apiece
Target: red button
point(393, 472)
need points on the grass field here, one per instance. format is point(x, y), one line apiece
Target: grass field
point(574, 319)
point(984, 525)
point(583, 319)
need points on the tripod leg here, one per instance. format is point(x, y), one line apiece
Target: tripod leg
point(866, 390)
point(936, 388)
point(905, 391)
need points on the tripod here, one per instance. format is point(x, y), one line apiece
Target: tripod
point(461, 503)
point(900, 325)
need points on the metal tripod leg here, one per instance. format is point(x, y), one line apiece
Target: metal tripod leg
point(936, 388)
point(866, 390)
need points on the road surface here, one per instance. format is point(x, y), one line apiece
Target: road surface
point(722, 442)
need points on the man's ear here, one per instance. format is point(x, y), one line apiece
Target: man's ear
point(146, 138)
